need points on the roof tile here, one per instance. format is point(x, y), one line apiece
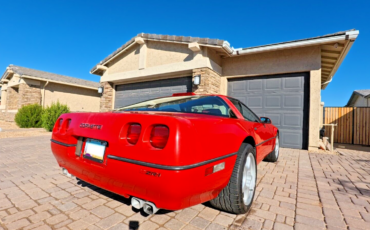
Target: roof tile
point(52, 76)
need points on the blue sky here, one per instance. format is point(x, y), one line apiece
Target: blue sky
point(70, 37)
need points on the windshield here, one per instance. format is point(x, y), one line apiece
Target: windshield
point(210, 105)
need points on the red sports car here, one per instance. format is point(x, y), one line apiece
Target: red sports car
point(171, 152)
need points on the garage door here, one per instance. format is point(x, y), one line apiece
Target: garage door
point(136, 92)
point(283, 98)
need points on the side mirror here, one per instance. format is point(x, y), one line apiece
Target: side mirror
point(265, 120)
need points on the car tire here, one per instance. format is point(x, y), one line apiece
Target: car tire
point(237, 197)
point(274, 155)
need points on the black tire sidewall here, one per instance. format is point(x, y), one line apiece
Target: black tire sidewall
point(248, 150)
point(273, 157)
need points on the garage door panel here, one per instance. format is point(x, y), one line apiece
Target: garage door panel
point(253, 102)
point(273, 84)
point(283, 119)
point(293, 101)
point(292, 120)
point(290, 139)
point(293, 83)
point(155, 90)
point(282, 98)
point(272, 102)
point(128, 94)
point(255, 85)
point(237, 87)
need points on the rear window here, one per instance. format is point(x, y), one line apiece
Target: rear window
point(210, 105)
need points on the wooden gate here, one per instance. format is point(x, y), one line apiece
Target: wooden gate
point(353, 124)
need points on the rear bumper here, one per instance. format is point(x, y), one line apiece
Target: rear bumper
point(170, 189)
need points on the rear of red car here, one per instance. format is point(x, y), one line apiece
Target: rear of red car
point(173, 160)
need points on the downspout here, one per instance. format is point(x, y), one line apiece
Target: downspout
point(43, 96)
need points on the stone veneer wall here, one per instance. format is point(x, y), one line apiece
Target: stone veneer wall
point(29, 94)
point(12, 98)
point(7, 116)
point(106, 100)
point(210, 81)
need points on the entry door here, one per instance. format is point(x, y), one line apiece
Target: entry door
point(283, 98)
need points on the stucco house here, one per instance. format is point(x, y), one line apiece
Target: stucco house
point(359, 98)
point(23, 86)
point(282, 81)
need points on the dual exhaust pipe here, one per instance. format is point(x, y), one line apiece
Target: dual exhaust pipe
point(148, 207)
point(65, 172)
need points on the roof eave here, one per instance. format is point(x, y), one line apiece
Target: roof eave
point(59, 82)
point(6, 74)
point(352, 35)
point(349, 36)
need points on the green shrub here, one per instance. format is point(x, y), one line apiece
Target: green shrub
point(29, 116)
point(51, 114)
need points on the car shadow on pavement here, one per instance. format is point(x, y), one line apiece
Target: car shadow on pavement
point(116, 197)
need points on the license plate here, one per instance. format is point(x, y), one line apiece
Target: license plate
point(94, 150)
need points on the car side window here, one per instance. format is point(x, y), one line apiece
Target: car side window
point(236, 104)
point(247, 113)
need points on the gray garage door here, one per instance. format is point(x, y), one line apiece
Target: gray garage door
point(136, 92)
point(283, 98)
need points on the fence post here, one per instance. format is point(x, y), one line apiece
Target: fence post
point(353, 125)
point(332, 138)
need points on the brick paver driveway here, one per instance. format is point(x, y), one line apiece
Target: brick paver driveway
point(304, 191)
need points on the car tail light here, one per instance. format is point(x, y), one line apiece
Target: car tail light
point(133, 133)
point(68, 123)
point(59, 124)
point(159, 136)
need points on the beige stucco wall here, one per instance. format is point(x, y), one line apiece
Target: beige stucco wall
point(3, 98)
point(128, 60)
point(78, 99)
point(276, 62)
point(211, 53)
point(161, 53)
point(321, 114)
point(314, 109)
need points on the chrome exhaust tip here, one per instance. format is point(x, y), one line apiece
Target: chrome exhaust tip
point(65, 172)
point(137, 203)
point(150, 208)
